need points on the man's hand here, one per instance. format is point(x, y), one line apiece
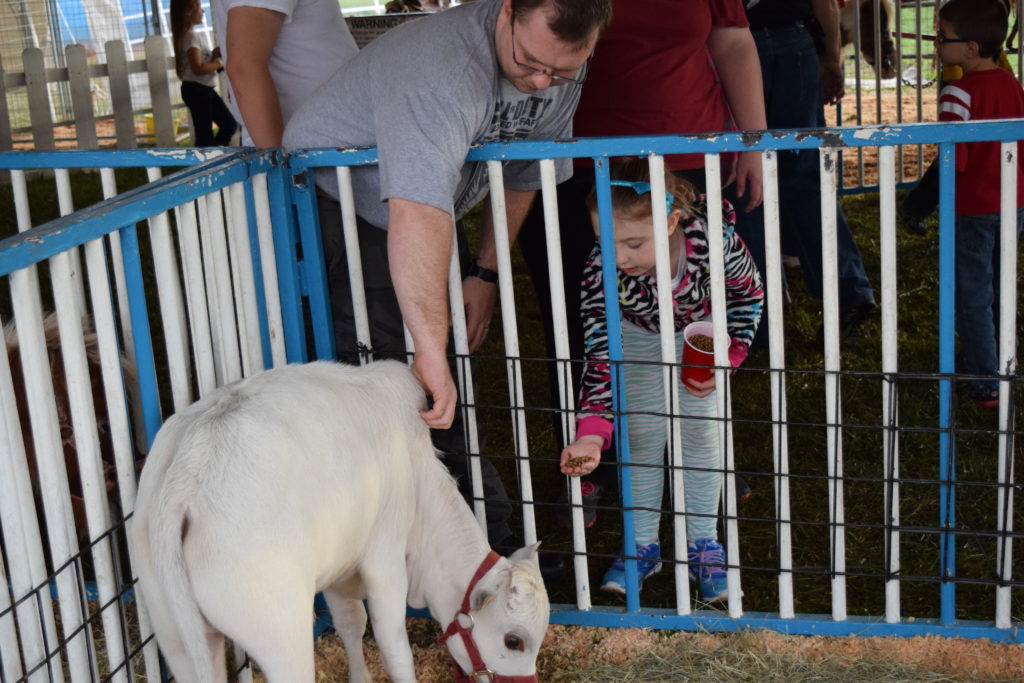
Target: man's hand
point(582, 456)
point(830, 66)
point(833, 85)
point(436, 379)
point(479, 298)
point(748, 177)
point(419, 247)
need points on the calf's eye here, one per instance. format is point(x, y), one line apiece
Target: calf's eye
point(514, 642)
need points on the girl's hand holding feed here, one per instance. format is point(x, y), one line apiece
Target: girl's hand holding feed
point(701, 389)
point(582, 456)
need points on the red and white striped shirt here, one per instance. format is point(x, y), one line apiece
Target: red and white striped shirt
point(982, 95)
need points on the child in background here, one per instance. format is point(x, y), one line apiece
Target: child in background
point(970, 34)
point(923, 199)
point(197, 67)
point(643, 377)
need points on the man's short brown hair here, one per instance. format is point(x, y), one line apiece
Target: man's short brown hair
point(573, 20)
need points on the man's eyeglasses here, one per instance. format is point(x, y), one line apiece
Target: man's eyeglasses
point(555, 78)
point(941, 39)
point(642, 188)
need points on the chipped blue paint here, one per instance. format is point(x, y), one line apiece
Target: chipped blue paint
point(129, 158)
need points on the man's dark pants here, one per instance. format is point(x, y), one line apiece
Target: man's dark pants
point(792, 90)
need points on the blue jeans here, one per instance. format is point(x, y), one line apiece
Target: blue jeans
point(792, 91)
point(977, 291)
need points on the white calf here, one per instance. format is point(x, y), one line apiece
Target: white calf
point(321, 477)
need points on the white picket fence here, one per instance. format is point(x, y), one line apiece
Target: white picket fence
point(83, 80)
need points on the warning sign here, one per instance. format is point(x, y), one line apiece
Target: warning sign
point(365, 29)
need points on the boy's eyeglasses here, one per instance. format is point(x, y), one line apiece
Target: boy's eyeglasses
point(941, 39)
point(555, 78)
point(641, 188)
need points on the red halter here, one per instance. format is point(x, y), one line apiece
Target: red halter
point(480, 669)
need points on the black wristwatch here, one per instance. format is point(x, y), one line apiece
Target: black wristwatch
point(485, 274)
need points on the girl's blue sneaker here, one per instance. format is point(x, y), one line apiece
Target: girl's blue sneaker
point(707, 567)
point(648, 563)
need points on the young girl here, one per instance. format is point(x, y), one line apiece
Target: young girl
point(643, 381)
point(197, 67)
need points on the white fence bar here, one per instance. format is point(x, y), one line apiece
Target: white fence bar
point(20, 530)
point(207, 207)
point(669, 356)
point(510, 327)
point(833, 407)
point(30, 529)
point(1007, 365)
point(66, 206)
point(355, 263)
point(53, 478)
point(219, 286)
point(464, 378)
point(268, 266)
point(196, 297)
point(242, 280)
point(890, 366)
point(87, 445)
point(566, 399)
point(773, 317)
point(716, 262)
point(172, 310)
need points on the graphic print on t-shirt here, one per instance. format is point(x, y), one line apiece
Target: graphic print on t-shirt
point(513, 119)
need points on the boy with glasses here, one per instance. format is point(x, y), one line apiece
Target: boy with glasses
point(970, 33)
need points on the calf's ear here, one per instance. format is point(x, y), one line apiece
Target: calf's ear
point(526, 553)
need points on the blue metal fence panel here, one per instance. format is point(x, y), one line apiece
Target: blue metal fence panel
point(293, 214)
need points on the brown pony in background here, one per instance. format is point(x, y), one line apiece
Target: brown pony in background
point(60, 391)
point(868, 36)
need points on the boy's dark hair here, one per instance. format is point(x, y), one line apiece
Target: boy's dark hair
point(626, 200)
point(573, 20)
point(983, 21)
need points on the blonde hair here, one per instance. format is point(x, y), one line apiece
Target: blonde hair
point(625, 200)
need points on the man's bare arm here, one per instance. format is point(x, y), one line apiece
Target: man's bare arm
point(735, 55)
point(251, 35)
point(831, 66)
point(478, 296)
point(419, 251)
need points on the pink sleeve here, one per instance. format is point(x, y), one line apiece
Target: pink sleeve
point(597, 426)
point(737, 353)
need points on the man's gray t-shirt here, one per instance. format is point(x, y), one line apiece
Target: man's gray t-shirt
point(423, 93)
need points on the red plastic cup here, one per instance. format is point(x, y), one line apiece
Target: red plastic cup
point(698, 365)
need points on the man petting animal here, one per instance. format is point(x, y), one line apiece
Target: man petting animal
point(488, 70)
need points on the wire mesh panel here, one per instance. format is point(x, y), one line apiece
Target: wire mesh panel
point(114, 316)
point(882, 503)
point(880, 492)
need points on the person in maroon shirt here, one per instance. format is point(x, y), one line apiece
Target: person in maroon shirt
point(662, 67)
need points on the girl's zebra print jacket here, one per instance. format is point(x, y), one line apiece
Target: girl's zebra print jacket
point(638, 302)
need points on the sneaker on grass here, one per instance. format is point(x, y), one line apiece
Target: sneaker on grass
point(706, 557)
point(648, 563)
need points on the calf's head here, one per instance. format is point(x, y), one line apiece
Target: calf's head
point(504, 625)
